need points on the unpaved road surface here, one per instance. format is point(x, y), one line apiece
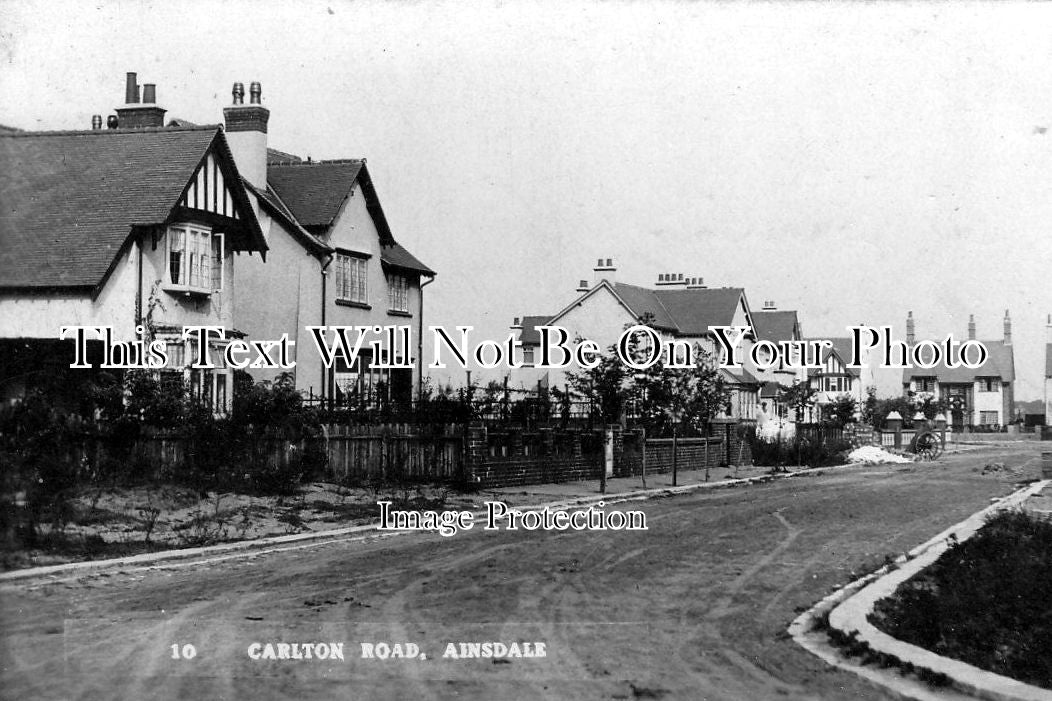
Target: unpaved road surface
point(694, 608)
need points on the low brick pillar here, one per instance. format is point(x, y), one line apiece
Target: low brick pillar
point(477, 451)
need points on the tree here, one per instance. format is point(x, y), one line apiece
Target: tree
point(799, 397)
point(606, 386)
point(840, 411)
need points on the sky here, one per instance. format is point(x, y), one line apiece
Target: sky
point(851, 161)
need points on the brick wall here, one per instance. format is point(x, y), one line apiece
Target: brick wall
point(512, 457)
point(859, 435)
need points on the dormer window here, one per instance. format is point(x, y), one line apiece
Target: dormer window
point(195, 259)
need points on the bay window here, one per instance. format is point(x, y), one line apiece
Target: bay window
point(195, 258)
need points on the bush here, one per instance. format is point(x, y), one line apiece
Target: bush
point(985, 601)
point(798, 451)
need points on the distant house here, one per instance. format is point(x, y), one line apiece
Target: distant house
point(333, 261)
point(772, 324)
point(131, 226)
point(836, 378)
point(976, 397)
point(678, 308)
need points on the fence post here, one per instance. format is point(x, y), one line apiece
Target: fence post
point(476, 447)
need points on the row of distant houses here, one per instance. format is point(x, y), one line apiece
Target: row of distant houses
point(683, 308)
point(142, 223)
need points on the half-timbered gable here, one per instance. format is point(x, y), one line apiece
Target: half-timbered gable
point(121, 228)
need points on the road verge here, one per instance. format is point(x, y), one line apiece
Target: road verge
point(261, 546)
point(846, 612)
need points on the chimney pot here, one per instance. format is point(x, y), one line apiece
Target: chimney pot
point(149, 93)
point(131, 90)
point(238, 92)
point(599, 263)
point(96, 122)
point(609, 262)
point(255, 93)
point(515, 321)
point(111, 122)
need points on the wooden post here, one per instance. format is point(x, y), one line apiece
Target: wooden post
point(705, 449)
point(643, 451)
point(675, 447)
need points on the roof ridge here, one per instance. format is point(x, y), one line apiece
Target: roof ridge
point(675, 321)
point(99, 132)
point(331, 161)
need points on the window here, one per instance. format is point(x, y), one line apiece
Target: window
point(527, 356)
point(988, 418)
point(351, 278)
point(195, 258)
point(837, 384)
point(989, 384)
point(398, 292)
point(925, 384)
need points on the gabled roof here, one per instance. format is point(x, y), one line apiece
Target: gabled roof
point(842, 348)
point(529, 336)
point(314, 190)
point(314, 194)
point(642, 301)
point(269, 200)
point(776, 325)
point(688, 312)
point(69, 200)
point(1000, 362)
point(695, 310)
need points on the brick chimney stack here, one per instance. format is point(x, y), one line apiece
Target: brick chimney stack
point(1008, 329)
point(971, 327)
point(911, 336)
point(246, 133)
point(604, 270)
point(135, 114)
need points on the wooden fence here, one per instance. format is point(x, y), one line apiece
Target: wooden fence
point(394, 452)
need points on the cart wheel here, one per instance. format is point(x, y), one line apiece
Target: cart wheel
point(928, 446)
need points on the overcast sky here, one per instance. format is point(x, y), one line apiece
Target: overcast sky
point(850, 161)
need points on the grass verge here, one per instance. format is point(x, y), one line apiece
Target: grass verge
point(987, 601)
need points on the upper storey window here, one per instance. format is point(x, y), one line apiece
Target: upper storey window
point(195, 258)
point(351, 278)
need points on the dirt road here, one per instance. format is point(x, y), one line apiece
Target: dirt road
point(695, 607)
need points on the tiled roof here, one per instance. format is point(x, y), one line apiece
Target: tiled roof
point(687, 312)
point(315, 191)
point(643, 301)
point(276, 156)
point(775, 325)
point(69, 200)
point(529, 336)
point(739, 376)
point(694, 311)
point(1000, 362)
point(398, 257)
point(276, 208)
point(842, 347)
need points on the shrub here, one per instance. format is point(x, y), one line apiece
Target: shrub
point(985, 601)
